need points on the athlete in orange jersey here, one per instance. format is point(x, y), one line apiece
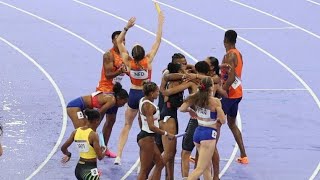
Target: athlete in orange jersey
point(232, 84)
point(139, 70)
point(113, 70)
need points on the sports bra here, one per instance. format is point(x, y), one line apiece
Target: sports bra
point(205, 116)
point(156, 116)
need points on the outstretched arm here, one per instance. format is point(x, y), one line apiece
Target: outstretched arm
point(156, 44)
point(120, 44)
point(185, 107)
point(94, 138)
point(176, 89)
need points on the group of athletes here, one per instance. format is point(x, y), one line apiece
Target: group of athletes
point(215, 90)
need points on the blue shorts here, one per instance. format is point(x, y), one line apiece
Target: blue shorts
point(77, 103)
point(134, 97)
point(204, 133)
point(230, 106)
point(112, 110)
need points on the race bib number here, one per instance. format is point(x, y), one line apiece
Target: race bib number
point(82, 146)
point(214, 134)
point(236, 83)
point(117, 79)
point(80, 115)
point(202, 113)
point(142, 74)
point(94, 172)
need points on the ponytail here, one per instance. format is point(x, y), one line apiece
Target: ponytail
point(120, 93)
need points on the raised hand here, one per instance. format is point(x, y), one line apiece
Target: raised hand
point(65, 159)
point(131, 22)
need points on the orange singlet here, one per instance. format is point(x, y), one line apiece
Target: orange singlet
point(106, 85)
point(139, 71)
point(235, 90)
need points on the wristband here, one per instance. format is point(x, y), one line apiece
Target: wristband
point(69, 155)
point(125, 29)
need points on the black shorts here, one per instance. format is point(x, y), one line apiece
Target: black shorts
point(161, 101)
point(187, 141)
point(144, 134)
point(86, 170)
point(170, 111)
point(165, 111)
point(112, 110)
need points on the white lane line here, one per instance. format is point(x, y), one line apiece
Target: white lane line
point(317, 170)
point(314, 96)
point(140, 27)
point(131, 169)
point(62, 101)
point(167, 41)
point(278, 18)
point(235, 149)
point(314, 174)
point(316, 3)
point(261, 28)
point(55, 25)
point(86, 41)
point(63, 106)
point(293, 89)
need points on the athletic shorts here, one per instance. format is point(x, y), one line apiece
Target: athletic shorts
point(134, 97)
point(112, 110)
point(204, 133)
point(230, 106)
point(77, 103)
point(144, 134)
point(87, 170)
point(169, 112)
point(187, 141)
point(160, 101)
